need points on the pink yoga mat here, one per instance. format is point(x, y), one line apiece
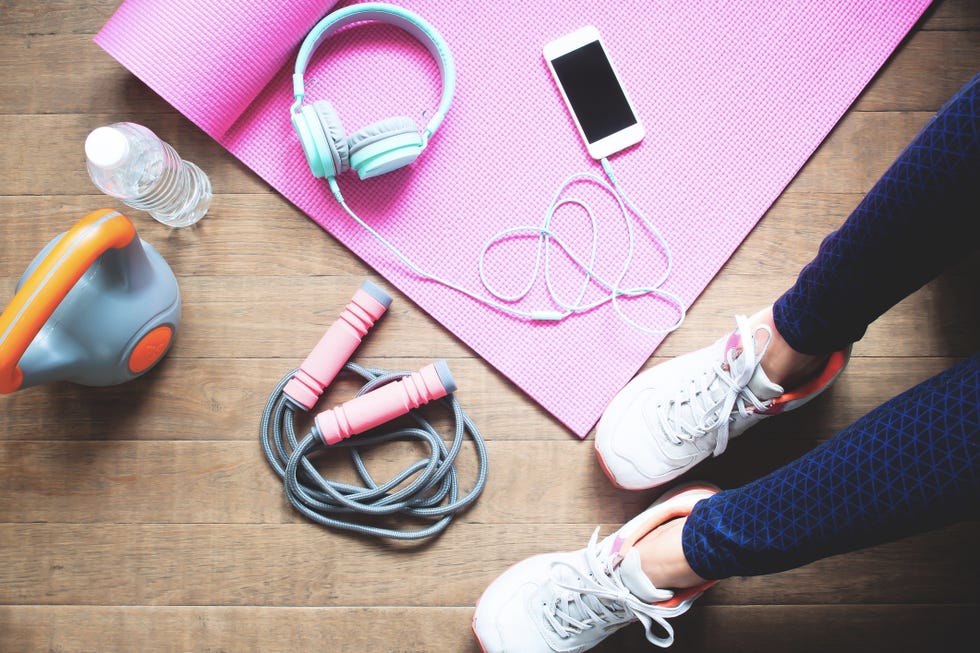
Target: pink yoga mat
point(735, 96)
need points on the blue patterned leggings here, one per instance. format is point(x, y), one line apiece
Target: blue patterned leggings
point(913, 463)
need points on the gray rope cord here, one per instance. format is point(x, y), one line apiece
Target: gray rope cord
point(432, 495)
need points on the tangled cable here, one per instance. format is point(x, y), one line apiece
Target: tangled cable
point(433, 495)
point(613, 291)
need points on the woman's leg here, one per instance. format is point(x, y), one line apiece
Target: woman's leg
point(911, 465)
point(920, 217)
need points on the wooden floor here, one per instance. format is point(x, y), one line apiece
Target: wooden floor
point(143, 517)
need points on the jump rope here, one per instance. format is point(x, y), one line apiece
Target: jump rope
point(427, 490)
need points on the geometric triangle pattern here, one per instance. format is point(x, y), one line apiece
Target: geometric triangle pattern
point(908, 466)
point(918, 219)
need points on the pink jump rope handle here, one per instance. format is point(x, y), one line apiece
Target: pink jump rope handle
point(337, 345)
point(385, 403)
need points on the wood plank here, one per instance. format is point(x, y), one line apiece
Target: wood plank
point(302, 565)
point(57, 17)
point(948, 58)
point(85, 80)
point(200, 399)
point(260, 630)
point(706, 629)
point(230, 482)
point(951, 15)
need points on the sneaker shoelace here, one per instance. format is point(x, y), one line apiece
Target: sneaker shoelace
point(576, 603)
point(709, 403)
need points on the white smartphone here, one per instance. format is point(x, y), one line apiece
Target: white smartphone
point(593, 92)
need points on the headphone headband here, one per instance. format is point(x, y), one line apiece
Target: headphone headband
point(392, 15)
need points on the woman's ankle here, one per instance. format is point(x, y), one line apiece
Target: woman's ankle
point(662, 557)
point(784, 365)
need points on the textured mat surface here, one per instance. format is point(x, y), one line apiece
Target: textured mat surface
point(735, 96)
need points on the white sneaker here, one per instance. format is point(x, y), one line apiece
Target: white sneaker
point(569, 602)
point(674, 415)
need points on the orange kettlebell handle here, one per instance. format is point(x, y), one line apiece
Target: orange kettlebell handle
point(53, 278)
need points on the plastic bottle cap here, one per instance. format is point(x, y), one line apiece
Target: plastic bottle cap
point(106, 147)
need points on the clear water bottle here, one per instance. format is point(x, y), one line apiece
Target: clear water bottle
point(131, 163)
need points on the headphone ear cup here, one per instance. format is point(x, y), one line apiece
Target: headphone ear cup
point(312, 138)
point(326, 154)
point(335, 137)
point(384, 146)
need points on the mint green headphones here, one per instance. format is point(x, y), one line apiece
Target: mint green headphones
point(383, 146)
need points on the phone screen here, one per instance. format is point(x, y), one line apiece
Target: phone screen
point(593, 91)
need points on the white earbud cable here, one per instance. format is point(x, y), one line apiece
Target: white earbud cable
point(546, 236)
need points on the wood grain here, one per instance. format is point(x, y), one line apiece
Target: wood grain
point(710, 629)
point(297, 565)
point(144, 516)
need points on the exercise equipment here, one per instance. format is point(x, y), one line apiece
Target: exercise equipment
point(97, 306)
